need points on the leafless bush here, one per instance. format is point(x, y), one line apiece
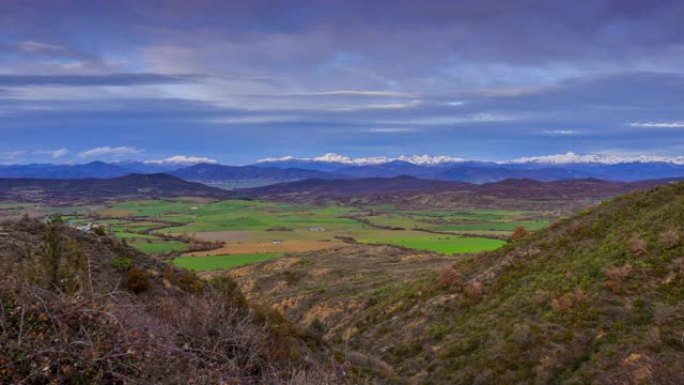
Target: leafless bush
point(670, 238)
point(474, 289)
point(616, 275)
point(448, 277)
point(637, 245)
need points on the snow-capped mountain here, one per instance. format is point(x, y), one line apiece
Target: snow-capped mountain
point(342, 160)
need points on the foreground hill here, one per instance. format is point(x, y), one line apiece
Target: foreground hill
point(78, 308)
point(597, 298)
point(92, 190)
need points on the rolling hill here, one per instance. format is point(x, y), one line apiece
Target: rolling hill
point(245, 176)
point(392, 189)
point(322, 189)
point(94, 190)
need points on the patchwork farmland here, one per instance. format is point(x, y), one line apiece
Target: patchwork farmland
point(206, 235)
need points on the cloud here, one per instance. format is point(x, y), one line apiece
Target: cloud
point(678, 124)
point(54, 154)
point(560, 132)
point(389, 94)
point(572, 157)
point(108, 151)
point(119, 79)
point(11, 156)
point(182, 160)
point(389, 130)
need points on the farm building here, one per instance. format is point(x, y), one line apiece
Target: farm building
point(316, 228)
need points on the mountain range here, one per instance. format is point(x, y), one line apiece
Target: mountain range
point(271, 171)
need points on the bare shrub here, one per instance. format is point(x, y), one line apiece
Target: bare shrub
point(619, 273)
point(616, 275)
point(448, 277)
point(637, 245)
point(670, 238)
point(519, 233)
point(562, 303)
point(137, 281)
point(474, 289)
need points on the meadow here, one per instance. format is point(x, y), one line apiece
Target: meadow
point(243, 231)
point(222, 262)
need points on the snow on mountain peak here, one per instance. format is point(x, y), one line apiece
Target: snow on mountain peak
point(422, 160)
point(569, 157)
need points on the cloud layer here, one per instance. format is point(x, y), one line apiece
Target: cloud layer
point(485, 79)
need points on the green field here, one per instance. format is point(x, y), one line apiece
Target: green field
point(222, 262)
point(254, 230)
point(441, 243)
point(483, 222)
point(161, 247)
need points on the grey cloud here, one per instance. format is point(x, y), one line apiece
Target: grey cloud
point(119, 79)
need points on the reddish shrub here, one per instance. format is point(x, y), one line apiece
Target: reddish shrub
point(637, 245)
point(616, 275)
point(562, 303)
point(448, 277)
point(474, 289)
point(137, 281)
point(519, 233)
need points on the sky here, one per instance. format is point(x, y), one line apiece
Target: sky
point(236, 81)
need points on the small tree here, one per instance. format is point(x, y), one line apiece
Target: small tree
point(52, 253)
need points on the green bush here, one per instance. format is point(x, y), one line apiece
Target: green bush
point(122, 263)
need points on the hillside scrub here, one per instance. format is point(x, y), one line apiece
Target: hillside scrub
point(82, 309)
point(597, 298)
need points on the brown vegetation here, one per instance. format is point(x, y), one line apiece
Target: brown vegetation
point(64, 320)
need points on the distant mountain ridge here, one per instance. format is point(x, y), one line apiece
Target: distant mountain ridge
point(336, 167)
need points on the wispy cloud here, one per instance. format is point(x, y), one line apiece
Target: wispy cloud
point(54, 154)
point(119, 79)
point(107, 151)
point(560, 132)
point(389, 130)
point(677, 124)
point(370, 93)
point(572, 157)
point(11, 156)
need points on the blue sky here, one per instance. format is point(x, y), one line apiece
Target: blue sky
point(241, 80)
